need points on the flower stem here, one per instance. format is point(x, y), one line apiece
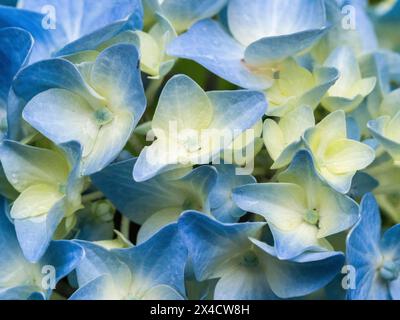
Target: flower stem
point(151, 91)
point(92, 196)
point(125, 225)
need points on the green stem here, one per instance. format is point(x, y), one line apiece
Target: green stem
point(97, 195)
point(151, 91)
point(135, 144)
point(125, 226)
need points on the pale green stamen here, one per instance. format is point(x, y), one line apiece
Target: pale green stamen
point(311, 216)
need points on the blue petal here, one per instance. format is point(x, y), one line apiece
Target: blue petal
point(37, 296)
point(145, 170)
point(17, 293)
point(75, 19)
point(11, 255)
point(243, 283)
point(49, 74)
point(390, 244)
point(279, 48)
point(6, 189)
point(14, 120)
point(15, 47)
point(222, 205)
point(208, 44)
point(99, 261)
point(362, 183)
point(99, 288)
point(363, 38)
point(117, 184)
point(363, 250)
point(369, 286)
point(34, 234)
point(158, 261)
point(237, 110)
point(64, 256)
point(94, 40)
point(194, 189)
point(367, 232)
point(251, 21)
point(73, 153)
point(70, 24)
point(45, 40)
point(162, 292)
point(211, 244)
point(140, 200)
point(394, 288)
point(184, 13)
point(302, 275)
point(353, 130)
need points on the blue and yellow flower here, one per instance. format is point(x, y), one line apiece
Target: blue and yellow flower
point(49, 186)
point(337, 158)
point(21, 279)
point(376, 260)
point(301, 210)
point(153, 270)
point(250, 54)
point(247, 268)
point(99, 109)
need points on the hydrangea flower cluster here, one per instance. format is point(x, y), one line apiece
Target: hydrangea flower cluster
point(199, 149)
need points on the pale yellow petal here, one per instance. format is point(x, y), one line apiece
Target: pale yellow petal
point(345, 156)
point(35, 201)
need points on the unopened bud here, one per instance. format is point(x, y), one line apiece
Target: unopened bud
point(103, 209)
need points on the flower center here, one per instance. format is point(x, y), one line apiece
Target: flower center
point(103, 210)
point(250, 259)
point(190, 140)
point(311, 216)
point(389, 271)
point(103, 116)
point(192, 204)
